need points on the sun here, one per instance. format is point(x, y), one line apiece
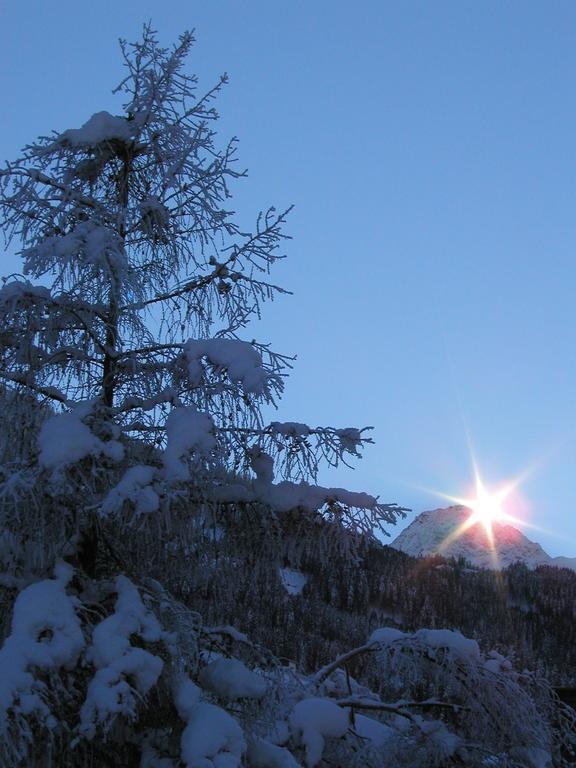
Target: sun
point(487, 507)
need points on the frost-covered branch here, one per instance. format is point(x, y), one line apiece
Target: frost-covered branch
point(326, 671)
point(400, 707)
point(225, 273)
point(51, 392)
point(36, 175)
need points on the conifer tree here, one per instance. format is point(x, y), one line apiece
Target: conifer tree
point(126, 348)
point(137, 288)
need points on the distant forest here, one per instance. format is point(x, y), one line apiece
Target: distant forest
point(525, 614)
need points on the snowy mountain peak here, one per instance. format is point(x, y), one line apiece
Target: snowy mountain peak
point(434, 532)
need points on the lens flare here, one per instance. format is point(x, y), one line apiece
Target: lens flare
point(487, 507)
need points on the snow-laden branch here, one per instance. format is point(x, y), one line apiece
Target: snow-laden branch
point(26, 381)
point(38, 176)
point(400, 707)
point(326, 671)
point(377, 706)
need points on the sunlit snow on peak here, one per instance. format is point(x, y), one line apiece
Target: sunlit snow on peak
point(487, 507)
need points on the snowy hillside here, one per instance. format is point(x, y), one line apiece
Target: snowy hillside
point(433, 532)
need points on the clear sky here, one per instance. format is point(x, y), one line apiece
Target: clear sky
point(430, 150)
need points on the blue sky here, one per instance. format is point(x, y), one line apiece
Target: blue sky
point(429, 150)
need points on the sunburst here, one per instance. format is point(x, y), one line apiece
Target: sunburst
point(486, 508)
point(489, 506)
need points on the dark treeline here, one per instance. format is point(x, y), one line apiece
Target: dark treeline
point(526, 614)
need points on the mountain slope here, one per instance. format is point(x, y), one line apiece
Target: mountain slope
point(434, 532)
point(527, 613)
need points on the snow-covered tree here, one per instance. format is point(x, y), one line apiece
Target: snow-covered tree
point(126, 351)
point(137, 287)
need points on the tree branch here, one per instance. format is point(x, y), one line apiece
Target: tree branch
point(327, 670)
point(41, 178)
point(50, 392)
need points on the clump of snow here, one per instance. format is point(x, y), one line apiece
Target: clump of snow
point(497, 663)
point(16, 291)
point(263, 465)
point(312, 721)
point(124, 673)
point(212, 738)
point(113, 450)
point(155, 215)
point(285, 496)
point(373, 730)
point(350, 438)
point(444, 741)
point(242, 363)
point(231, 679)
point(447, 638)
point(290, 428)
point(88, 243)
point(292, 580)
point(65, 439)
point(232, 492)
point(135, 487)
point(386, 635)
point(45, 633)
point(102, 248)
point(151, 757)
point(102, 126)
point(341, 684)
point(263, 754)
point(279, 734)
point(187, 430)
point(227, 631)
point(187, 697)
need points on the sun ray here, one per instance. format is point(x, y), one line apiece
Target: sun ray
point(486, 508)
point(456, 533)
